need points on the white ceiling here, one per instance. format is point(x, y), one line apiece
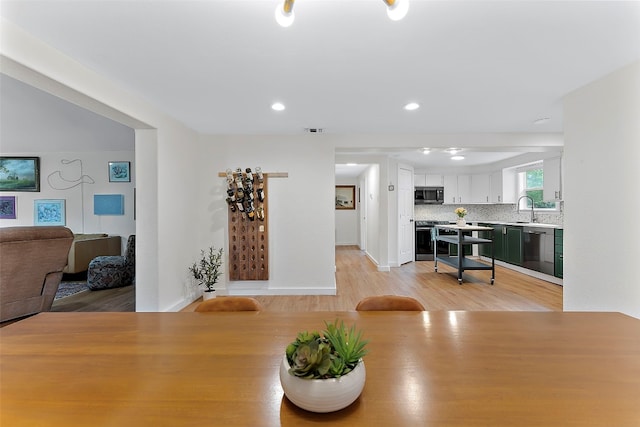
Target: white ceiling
point(218, 65)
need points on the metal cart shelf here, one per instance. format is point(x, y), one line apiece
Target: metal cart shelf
point(461, 262)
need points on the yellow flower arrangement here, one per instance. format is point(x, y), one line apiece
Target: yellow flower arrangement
point(461, 212)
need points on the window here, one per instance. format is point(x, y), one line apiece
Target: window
point(530, 183)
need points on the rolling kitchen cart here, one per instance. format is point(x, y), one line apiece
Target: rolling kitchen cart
point(460, 261)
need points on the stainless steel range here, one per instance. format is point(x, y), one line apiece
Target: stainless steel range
point(424, 240)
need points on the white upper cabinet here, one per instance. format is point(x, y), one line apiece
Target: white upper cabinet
point(496, 195)
point(433, 180)
point(427, 180)
point(457, 188)
point(552, 187)
point(480, 188)
point(450, 188)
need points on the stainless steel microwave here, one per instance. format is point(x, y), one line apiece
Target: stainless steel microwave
point(429, 195)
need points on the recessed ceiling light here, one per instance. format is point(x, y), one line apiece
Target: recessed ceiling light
point(412, 106)
point(541, 121)
point(278, 106)
point(457, 158)
point(426, 150)
point(452, 150)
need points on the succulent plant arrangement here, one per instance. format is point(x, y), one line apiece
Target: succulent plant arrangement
point(208, 270)
point(332, 354)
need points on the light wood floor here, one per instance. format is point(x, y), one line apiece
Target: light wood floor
point(357, 277)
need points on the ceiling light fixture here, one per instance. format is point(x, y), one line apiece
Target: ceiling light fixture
point(278, 106)
point(426, 151)
point(457, 158)
point(452, 150)
point(397, 9)
point(284, 13)
point(412, 106)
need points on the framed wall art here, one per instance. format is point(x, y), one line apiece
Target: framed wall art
point(108, 204)
point(119, 171)
point(19, 173)
point(49, 212)
point(7, 207)
point(345, 196)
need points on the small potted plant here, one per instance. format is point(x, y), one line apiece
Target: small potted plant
point(208, 271)
point(324, 372)
point(461, 212)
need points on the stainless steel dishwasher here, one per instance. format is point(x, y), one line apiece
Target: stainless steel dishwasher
point(538, 249)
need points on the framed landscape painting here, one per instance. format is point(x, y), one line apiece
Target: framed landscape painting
point(119, 171)
point(49, 212)
point(7, 207)
point(19, 173)
point(345, 196)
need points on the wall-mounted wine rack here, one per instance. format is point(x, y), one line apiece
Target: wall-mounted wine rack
point(248, 223)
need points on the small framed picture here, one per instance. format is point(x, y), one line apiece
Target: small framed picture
point(49, 212)
point(7, 207)
point(119, 171)
point(19, 173)
point(345, 197)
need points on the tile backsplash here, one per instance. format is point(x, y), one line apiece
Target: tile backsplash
point(499, 212)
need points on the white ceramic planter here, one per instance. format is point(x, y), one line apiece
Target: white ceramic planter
point(208, 295)
point(317, 395)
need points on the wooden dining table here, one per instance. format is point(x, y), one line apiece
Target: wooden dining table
point(441, 368)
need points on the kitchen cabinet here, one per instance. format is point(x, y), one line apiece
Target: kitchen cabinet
point(507, 243)
point(558, 253)
point(495, 193)
point(552, 185)
point(427, 180)
point(457, 189)
point(433, 180)
point(513, 245)
point(480, 188)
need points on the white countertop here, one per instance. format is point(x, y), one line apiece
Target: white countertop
point(463, 227)
point(521, 224)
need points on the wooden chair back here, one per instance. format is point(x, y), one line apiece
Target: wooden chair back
point(229, 304)
point(389, 303)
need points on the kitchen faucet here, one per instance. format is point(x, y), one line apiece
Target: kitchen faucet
point(533, 218)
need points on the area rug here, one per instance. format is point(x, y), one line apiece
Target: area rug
point(67, 289)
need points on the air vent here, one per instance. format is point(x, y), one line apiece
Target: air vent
point(313, 130)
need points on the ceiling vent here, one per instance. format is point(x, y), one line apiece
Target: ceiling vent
point(313, 130)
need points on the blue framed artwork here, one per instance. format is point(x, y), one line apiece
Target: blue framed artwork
point(108, 204)
point(119, 171)
point(7, 207)
point(49, 212)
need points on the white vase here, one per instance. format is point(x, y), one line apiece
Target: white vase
point(322, 395)
point(208, 295)
point(461, 222)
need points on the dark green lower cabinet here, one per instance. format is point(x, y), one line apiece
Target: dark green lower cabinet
point(513, 240)
point(507, 243)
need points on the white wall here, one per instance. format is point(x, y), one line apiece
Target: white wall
point(602, 197)
point(301, 208)
point(347, 221)
point(166, 179)
point(79, 198)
